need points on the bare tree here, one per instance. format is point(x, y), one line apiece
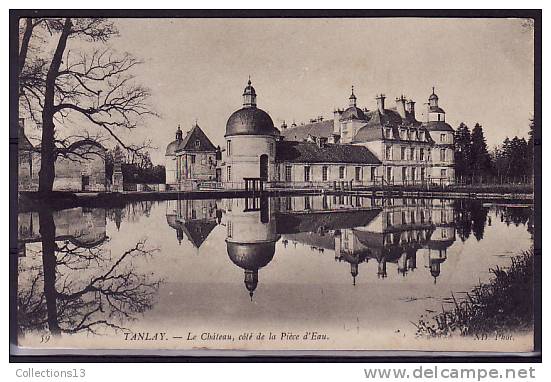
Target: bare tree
point(85, 288)
point(96, 86)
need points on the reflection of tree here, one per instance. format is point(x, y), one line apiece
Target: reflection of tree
point(85, 288)
point(470, 217)
point(516, 216)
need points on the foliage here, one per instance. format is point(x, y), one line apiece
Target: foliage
point(502, 306)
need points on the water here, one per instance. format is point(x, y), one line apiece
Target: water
point(307, 272)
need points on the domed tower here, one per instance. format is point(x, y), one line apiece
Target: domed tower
point(351, 120)
point(171, 161)
point(442, 157)
point(250, 142)
point(251, 236)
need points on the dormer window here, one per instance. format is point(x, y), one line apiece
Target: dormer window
point(197, 143)
point(389, 133)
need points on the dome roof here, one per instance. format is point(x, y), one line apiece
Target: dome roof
point(353, 112)
point(172, 147)
point(251, 256)
point(433, 96)
point(438, 126)
point(250, 121)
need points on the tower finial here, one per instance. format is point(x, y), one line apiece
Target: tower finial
point(433, 90)
point(249, 82)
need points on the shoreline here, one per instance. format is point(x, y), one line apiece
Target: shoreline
point(29, 200)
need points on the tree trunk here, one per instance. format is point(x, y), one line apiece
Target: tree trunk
point(46, 174)
point(47, 235)
point(23, 50)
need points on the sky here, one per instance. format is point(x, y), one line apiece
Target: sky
point(196, 69)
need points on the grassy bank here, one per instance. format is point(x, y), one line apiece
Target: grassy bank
point(503, 305)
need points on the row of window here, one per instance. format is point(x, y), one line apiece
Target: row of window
point(418, 135)
point(413, 154)
point(358, 173)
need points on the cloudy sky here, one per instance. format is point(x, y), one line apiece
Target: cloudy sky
point(301, 68)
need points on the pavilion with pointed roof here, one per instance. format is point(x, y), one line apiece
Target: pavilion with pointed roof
point(190, 158)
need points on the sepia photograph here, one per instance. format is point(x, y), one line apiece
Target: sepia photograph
point(275, 183)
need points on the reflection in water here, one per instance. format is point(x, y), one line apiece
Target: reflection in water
point(74, 278)
point(79, 285)
point(355, 229)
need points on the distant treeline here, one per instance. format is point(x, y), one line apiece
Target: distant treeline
point(510, 161)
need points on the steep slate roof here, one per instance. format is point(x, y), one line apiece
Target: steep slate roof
point(292, 223)
point(373, 129)
point(323, 129)
point(196, 231)
point(306, 152)
point(188, 143)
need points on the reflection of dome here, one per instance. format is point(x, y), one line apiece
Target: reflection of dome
point(353, 112)
point(440, 245)
point(250, 121)
point(251, 256)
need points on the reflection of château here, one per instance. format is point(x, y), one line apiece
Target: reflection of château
point(356, 229)
point(359, 229)
point(83, 227)
point(194, 218)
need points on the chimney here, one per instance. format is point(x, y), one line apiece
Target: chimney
point(410, 107)
point(283, 126)
point(381, 103)
point(401, 106)
point(336, 121)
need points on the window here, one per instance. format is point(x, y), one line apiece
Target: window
point(421, 154)
point(404, 173)
point(422, 173)
point(443, 173)
point(388, 152)
point(197, 143)
point(422, 135)
point(288, 173)
point(389, 174)
point(230, 229)
point(412, 153)
point(402, 153)
point(442, 137)
point(307, 204)
point(204, 160)
point(324, 173)
point(442, 155)
point(389, 133)
point(228, 149)
point(341, 172)
point(444, 234)
point(372, 175)
point(277, 170)
point(413, 173)
point(192, 159)
point(358, 173)
point(271, 148)
point(306, 173)
point(229, 173)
